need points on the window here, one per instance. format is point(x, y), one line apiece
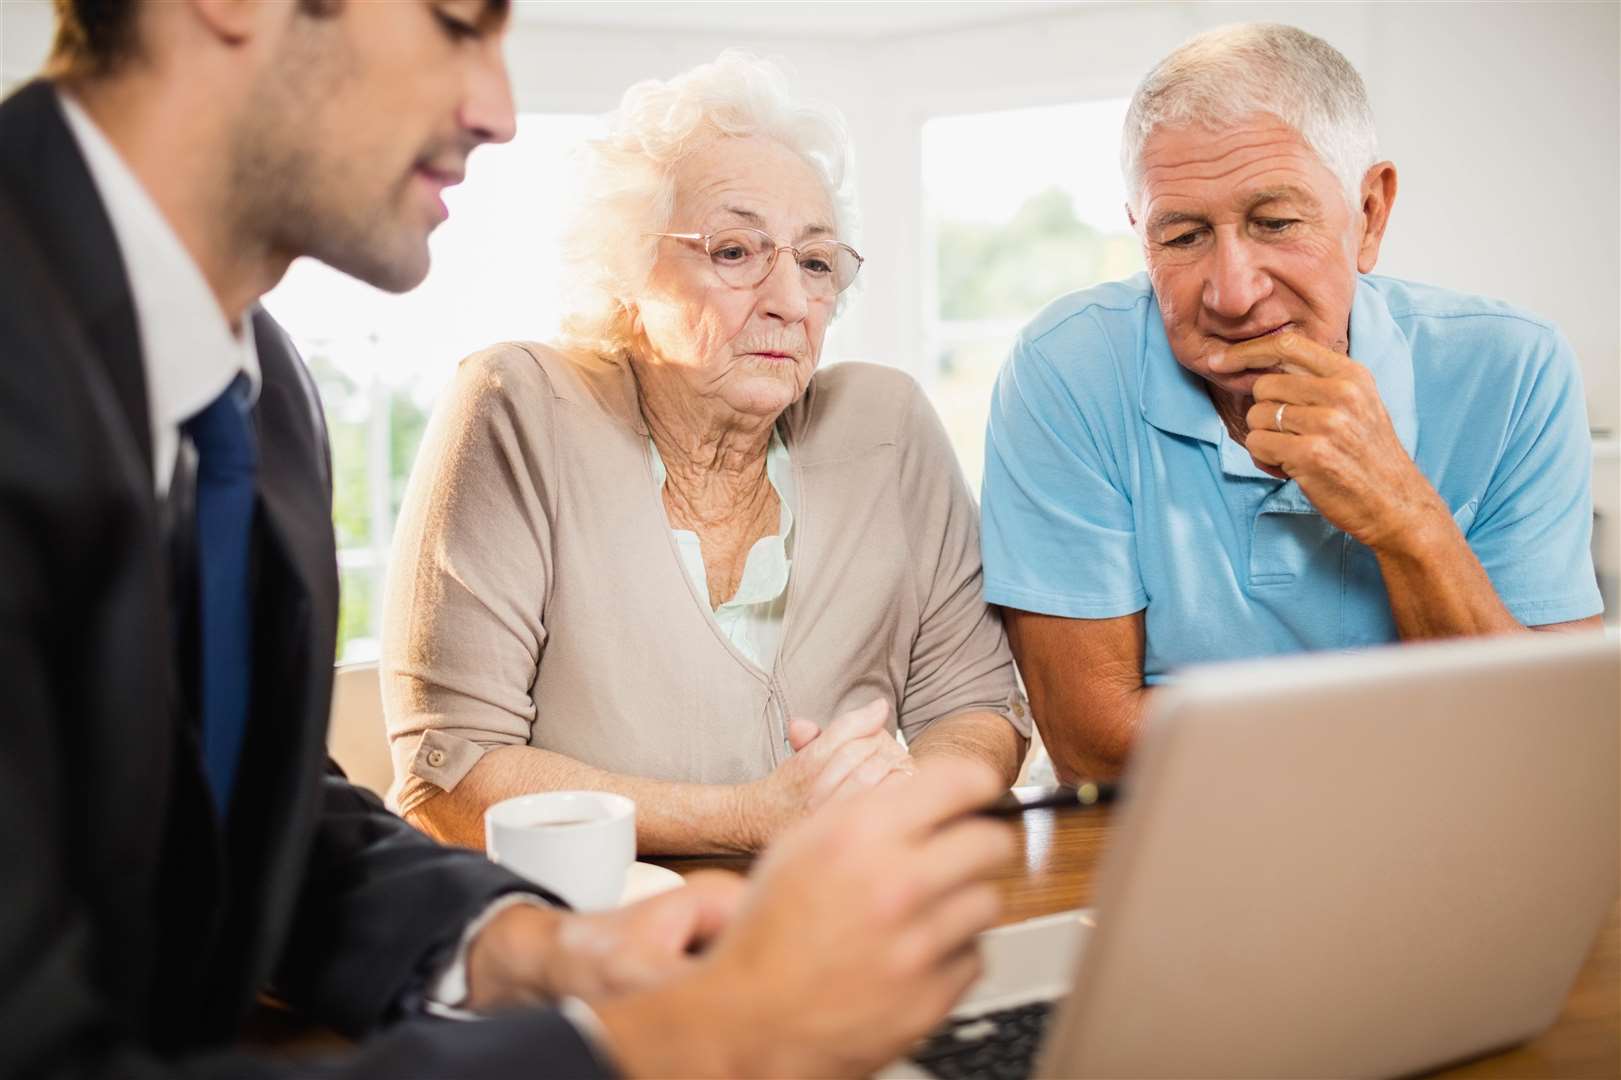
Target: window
point(380, 359)
point(1022, 206)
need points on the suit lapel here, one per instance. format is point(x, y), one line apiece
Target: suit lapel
point(45, 174)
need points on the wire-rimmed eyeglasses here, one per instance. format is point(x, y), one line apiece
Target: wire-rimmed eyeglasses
point(745, 257)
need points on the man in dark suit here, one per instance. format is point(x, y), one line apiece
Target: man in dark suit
point(176, 843)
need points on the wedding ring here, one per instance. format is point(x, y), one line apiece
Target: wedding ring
point(1277, 420)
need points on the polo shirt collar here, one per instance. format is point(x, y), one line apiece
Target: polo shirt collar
point(1173, 399)
point(1379, 345)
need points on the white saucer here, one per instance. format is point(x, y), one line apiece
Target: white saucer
point(644, 879)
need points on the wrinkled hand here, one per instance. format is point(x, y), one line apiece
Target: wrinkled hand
point(858, 935)
point(531, 955)
point(855, 752)
point(1337, 443)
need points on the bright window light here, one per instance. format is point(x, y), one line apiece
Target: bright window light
point(1022, 206)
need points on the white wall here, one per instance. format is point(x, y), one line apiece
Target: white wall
point(25, 35)
point(1501, 118)
point(1509, 162)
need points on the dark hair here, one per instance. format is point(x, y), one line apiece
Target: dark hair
point(92, 36)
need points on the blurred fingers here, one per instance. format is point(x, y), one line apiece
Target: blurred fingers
point(899, 776)
point(954, 923)
point(801, 733)
point(845, 761)
point(870, 773)
point(944, 929)
point(927, 1003)
point(958, 972)
point(942, 789)
point(858, 723)
point(968, 851)
point(716, 896)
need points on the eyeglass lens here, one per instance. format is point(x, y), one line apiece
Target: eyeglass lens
point(744, 257)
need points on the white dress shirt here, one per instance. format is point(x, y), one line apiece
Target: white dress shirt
point(189, 349)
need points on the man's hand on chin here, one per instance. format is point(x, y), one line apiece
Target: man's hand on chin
point(531, 955)
point(1335, 440)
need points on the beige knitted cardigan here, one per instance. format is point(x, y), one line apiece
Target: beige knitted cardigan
point(536, 594)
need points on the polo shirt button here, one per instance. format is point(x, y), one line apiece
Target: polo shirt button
point(1018, 708)
point(436, 758)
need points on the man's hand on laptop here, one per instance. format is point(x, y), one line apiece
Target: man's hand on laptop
point(856, 938)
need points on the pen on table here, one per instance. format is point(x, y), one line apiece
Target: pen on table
point(1018, 800)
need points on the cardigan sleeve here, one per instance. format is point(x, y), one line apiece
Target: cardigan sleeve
point(960, 661)
point(463, 627)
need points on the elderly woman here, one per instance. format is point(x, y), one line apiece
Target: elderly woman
point(667, 557)
point(1258, 448)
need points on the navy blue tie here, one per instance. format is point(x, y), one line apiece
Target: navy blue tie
point(226, 461)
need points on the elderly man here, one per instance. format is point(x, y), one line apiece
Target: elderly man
point(1257, 448)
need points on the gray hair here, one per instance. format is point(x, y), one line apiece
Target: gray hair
point(627, 178)
point(1232, 72)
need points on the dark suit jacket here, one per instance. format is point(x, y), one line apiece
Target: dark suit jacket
point(135, 929)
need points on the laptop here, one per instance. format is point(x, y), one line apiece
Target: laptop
point(1351, 864)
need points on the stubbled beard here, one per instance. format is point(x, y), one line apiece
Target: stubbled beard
point(296, 207)
point(368, 244)
point(294, 197)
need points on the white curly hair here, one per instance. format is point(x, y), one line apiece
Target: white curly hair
point(626, 179)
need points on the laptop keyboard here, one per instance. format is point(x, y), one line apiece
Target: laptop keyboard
point(997, 1045)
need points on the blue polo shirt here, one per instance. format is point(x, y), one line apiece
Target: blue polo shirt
point(1111, 486)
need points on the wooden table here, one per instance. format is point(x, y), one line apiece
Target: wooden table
point(1059, 853)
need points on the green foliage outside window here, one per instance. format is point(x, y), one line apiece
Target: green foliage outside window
point(349, 416)
point(991, 271)
point(358, 592)
point(1000, 275)
point(406, 423)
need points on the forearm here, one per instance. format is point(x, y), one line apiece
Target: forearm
point(1437, 587)
point(1092, 739)
point(671, 818)
point(1085, 681)
point(980, 736)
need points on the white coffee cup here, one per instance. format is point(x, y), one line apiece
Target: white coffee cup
point(577, 844)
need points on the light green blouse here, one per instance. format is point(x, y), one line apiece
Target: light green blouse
point(752, 618)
